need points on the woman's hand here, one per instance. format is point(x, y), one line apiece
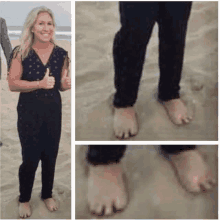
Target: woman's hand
point(47, 82)
point(65, 81)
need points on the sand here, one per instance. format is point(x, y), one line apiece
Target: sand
point(154, 191)
point(11, 157)
point(96, 25)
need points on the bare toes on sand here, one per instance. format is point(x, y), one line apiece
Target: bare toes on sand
point(106, 189)
point(51, 204)
point(24, 210)
point(193, 171)
point(177, 111)
point(125, 123)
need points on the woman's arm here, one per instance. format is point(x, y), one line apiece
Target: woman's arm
point(65, 82)
point(17, 85)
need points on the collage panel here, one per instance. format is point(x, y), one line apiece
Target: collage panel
point(146, 71)
point(35, 156)
point(146, 181)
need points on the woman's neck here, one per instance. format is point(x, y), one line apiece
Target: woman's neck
point(42, 45)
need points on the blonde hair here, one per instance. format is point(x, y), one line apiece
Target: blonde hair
point(27, 37)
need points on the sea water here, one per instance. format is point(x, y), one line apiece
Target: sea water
point(62, 32)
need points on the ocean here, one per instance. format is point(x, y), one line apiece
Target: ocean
point(62, 32)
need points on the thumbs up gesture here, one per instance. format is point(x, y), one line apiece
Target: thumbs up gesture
point(66, 81)
point(48, 81)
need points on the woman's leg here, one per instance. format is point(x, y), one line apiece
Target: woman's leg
point(105, 184)
point(28, 134)
point(137, 21)
point(28, 129)
point(173, 19)
point(50, 138)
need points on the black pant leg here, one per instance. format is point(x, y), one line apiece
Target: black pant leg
point(137, 21)
point(105, 154)
point(173, 149)
point(173, 20)
point(50, 136)
point(28, 128)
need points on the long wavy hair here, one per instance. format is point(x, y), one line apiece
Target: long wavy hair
point(27, 37)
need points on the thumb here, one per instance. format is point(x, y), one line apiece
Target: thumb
point(47, 73)
point(65, 74)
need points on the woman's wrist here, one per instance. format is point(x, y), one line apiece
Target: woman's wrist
point(39, 84)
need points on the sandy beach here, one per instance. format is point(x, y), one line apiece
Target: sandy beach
point(153, 189)
point(11, 156)
point(96, 25)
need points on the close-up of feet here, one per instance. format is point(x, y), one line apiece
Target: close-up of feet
point(166, 181)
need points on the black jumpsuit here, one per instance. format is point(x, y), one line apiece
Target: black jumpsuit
point(39, 123)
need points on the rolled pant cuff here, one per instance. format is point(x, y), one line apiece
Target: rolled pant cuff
point(117, 103)
point(23, 200)
point(163, 98)
point(175, 149)
point(104, 154)
point(46, 196)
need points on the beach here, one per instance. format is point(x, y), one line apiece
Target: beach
point(154, 192)
point(96, 26)
point(11, 156)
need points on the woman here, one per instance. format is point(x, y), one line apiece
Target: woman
point(38, 70)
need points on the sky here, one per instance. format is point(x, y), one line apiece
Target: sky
point(15, 13)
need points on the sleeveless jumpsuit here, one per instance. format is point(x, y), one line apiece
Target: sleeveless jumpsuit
point(39, 123)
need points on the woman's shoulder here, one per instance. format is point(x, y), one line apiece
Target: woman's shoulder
point(16, 48)
point(16, 52)
point(60, 50)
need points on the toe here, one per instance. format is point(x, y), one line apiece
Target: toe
point(120, 203)
point(119, 134)
point(126, 135)
point(185, 119)
point(212, 181)
point(195, 188)
point(133, 132)
point(178, 120)
point(99, 209)
point(206, 186)
point(108, 209)
point(189, 117)
point(94, 207)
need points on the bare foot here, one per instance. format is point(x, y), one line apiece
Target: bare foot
point(51, 204)
point(106, 189)
point(177, 111)
point(125, 123)
point(193, 171)
point(24, 209)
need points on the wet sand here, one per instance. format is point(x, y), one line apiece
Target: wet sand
point(96, 25)
point(11, 157)
point(154, 190)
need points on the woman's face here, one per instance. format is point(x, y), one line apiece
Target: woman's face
point(43, 28)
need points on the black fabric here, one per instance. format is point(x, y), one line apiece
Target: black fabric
point(173, 149)
point(130, 42)
point(39, 124)
point(106, 154)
